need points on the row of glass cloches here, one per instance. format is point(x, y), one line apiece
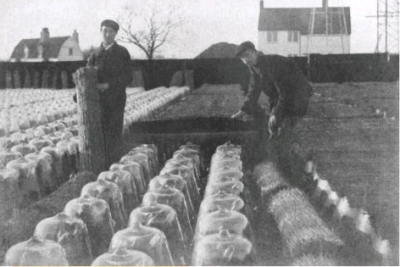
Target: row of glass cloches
point(161, 228)
point(220, 235)
point(22, 109)
point(40, 142)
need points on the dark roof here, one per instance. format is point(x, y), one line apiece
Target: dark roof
point(51, 47)
point(298, 19)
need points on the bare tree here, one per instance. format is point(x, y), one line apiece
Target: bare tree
point(150, 25)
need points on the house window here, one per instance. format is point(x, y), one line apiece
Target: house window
point(40, 51)
point(71, 51)
point(293, 36)
point(26, 51)
point(272, 36)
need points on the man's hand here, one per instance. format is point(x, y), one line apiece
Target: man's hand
point(103, 86)
point(237, 115)
point(241, 115)
point(272, 125)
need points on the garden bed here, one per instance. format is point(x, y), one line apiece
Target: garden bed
point(351, 131)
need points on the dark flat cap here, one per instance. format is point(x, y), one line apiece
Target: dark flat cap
point(110, 23)
point(243, 47)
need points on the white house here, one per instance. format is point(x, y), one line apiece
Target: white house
point(303, 31)
point(65, 48)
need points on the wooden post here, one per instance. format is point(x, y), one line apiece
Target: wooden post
point(36, 79)
point(89, 117)
point(28, 80)
point(184, 73)
point(64, 79)
point(138, 79)
point(189, 80)
point(45, 79)
point(54, 78)
point(309, 68)
point(17, 79)
point(9, 83)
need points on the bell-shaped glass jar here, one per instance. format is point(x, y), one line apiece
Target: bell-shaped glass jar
point(212, 222)
point(221, 200)
point(96, 214)
point(164, 218)
point(149, 240)
point(111, 193)
point(175, 199)
point(71, 233)
point(222, 248)
point(122, 256)
point(36, 251)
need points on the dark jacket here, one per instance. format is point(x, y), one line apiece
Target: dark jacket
point(114, 67)
point(287, 88)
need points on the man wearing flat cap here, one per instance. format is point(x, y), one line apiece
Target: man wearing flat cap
point(114, 74)
point(287, 88)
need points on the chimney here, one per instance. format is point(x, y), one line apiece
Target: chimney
point(325, 4)
point(44, 35)
point(75, 35)
point(261, 4)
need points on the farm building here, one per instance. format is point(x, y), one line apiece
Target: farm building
point(303, 31)
point(63, 48)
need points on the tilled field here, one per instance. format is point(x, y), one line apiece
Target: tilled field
point(208, 101)
point(350, 131)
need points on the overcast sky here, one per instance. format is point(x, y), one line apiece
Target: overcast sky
point(208, 22)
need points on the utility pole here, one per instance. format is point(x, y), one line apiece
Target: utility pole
point(386, 26)
point(377, 27)
point(326, 15)
point(391, 29)
point(325, 3)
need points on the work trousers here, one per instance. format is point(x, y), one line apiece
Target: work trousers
point(112, 125)
point(278, 146)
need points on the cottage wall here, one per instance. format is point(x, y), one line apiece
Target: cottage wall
point(282, 47)
point(321, 44)
point(65, 50)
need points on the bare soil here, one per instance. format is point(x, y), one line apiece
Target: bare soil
point(352, 132)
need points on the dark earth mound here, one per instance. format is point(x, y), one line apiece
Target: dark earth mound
point(219, 50)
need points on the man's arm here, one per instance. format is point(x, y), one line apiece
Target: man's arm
point(91, 60)
point(250, 105)
point(276, 73)
point(277, 109)
point(126, 75)
point(278, 98)
point(92, 63)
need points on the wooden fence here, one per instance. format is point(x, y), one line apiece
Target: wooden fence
point(156, 73)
